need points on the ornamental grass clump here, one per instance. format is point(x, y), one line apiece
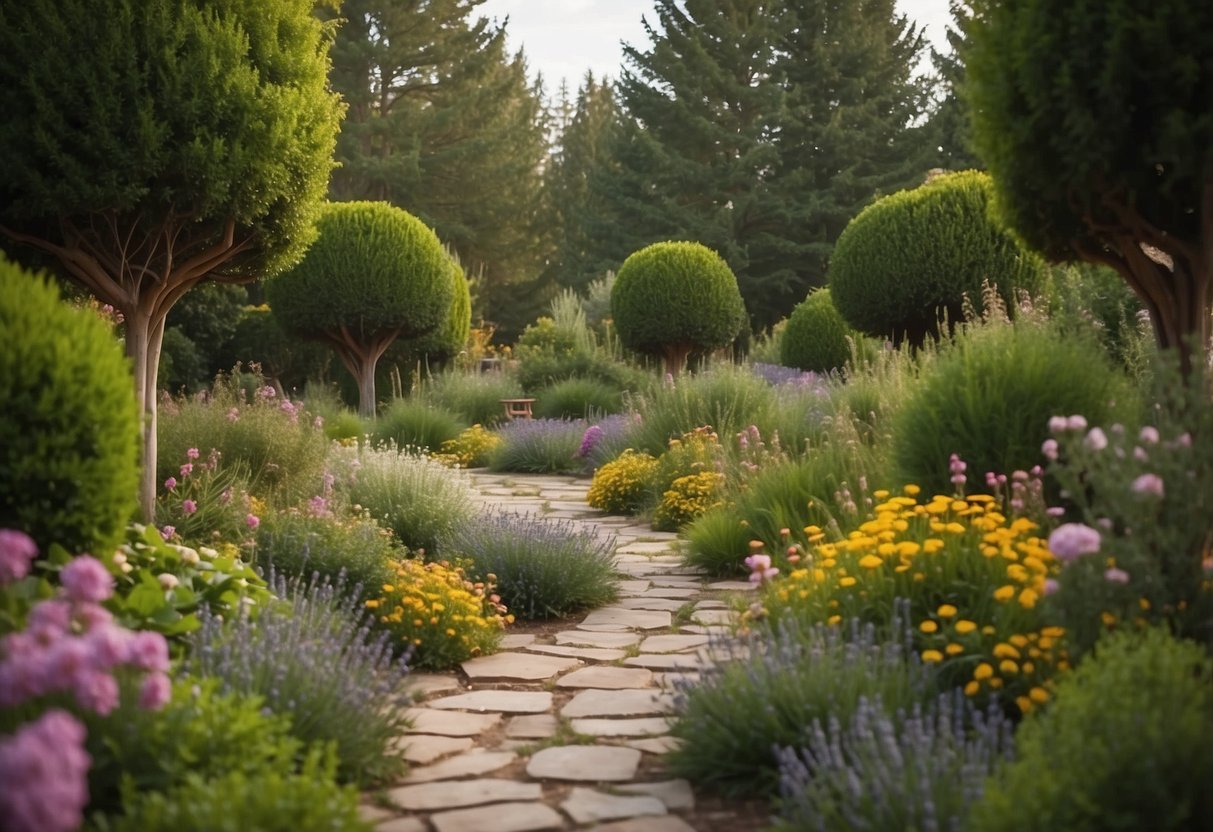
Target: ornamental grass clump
point(919, 768)
point(973, 577)
point(316, 659)
point(577, 398)
point(539, 446)
point(421, 500)
point(417, 424)
point(435, 611)
point(544, 568)
point(624, 485)
point(787, 675)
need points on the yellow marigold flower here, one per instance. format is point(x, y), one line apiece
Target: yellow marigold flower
point(907, 548)
point(983, 671)
point(1053, 632)
point(954, 649)
point(928, 626)
point(932, 656)
point(846, 582)
point(833, 619)
point(1039, 695)
point(1028, 667)
point(946, 611)
point(932, 545)
point(1008, 667)
point(1108, 619)
point(1016, 572)
point(912, 490)
point(995, 683)
point(972, 688)
point(871, 562)
point(988, 630)
point(1018, 640)
point(1005, 651)
point(964, 626)
point(1028, 598)
point(417, 622)
point(1004, 593)
point(374, 604)
point(1024, 703)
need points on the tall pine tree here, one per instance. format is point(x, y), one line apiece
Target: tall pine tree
point(949, 125)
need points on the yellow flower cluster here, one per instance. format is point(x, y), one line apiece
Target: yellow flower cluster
point(469, 449)
point(622, 485)
point(687, 498)
point(973, 576)
point(445, 617)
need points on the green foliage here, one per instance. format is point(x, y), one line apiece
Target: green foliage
point(538, 446)
point(307, 800)
point(718, 542)
point(182, 366)
point(1088, 296)
point(577, 398)
point(421, 500)
point(273, 438)
point(671, 299)
point(299, 543)
point(816, 337)
point(474, 396)
point(204, 504)
point(1140, 712)
point(910, 259)
point(988, 398)
point(411, 423)
point(69, 426)
point(767, 346)
point(258, 341)
point(624, 485)
point(451, 336)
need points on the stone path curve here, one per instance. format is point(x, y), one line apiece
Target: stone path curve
point(567, 730)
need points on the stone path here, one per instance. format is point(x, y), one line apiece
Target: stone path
point(567, 729)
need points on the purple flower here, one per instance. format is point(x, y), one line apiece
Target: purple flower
point(188, 507)
point(44, 775)
point(148, 651)
point(1049, 449)
point(252, 521)
point(1149, 485)
point(17, 552)
point(1070, 541)
point(192, 453)
point(167, 532)
point(593, 434)
point(86, 579)
point(1096, 440)
point(1051, 586)
point(95, 690)
point(187, 469)
point(52, 615)
point(170, 483)
point(1116, 576)
point(155, 692)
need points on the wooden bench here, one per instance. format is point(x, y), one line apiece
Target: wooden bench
point(518, 408)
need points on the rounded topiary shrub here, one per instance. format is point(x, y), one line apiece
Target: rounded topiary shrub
point(989, 395)
point(69, 424)
point(815, 337)
point(675, 299)
point(909, 259)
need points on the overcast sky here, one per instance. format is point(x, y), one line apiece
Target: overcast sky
point(564, 38)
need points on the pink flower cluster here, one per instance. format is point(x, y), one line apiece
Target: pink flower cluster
point(44, 775)
point(760, 568)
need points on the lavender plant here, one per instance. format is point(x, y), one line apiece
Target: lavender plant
point(315, 658)
point(789, 675)
point(923, 768)
point(544, 568)
point(539, 446)
point(606, 438)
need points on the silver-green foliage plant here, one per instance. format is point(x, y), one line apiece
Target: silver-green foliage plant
point(69, 429)
point(375, 274)
point(199, 143)
point(909, 259)
point(673, 299)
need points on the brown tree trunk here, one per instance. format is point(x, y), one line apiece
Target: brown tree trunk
point(676, 358)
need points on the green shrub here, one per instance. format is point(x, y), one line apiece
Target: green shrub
point(540, 369)
point(816, 337)
point(1083, 295)
point(299, 542)
point(69, 426)
point(988, 398)
point(544, 569)
point(539, 446)
point(411, 423)
point(577, 398)
point(474, 397)
point(182, 365)
point(1124, 745)
point(688, 498)
point(911, 257)
point(259, 341)
point(624, 485)
point(451, 335)
point(274, 438)
point(308, 800)
point(674, 299)
point(421, 500)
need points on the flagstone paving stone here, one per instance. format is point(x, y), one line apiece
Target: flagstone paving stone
point(405, 824)
point(422, 685)
point(648, 603)
point(675, 794)
point(420, 749)
point(504, 701)
point(655, 745)
point(474, 762)
point(672, 644)
point(652, 726)
point(625, 619)
point(585, 763)
point(713, 616)
point(590, 638)
point(450, 723)
point(665, 661)
point(516, 667)
point(611, 678)
point(589, 806)
point(532, 727)
point(500, 817)
point(515, 640)
point(665, 823)
point(598, 654)
point(733, 586)
point(618, 703)
point(455, 793)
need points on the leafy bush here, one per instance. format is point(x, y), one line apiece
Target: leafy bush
point(910, 258)
point(409, 423)
point(437, 613)
point(539, 446)
point(470, 449)
point(281, 445)
point(816, 337)
point(1083, 295)
point(1125, 745)
point(687, 498)
point(577, 398)
point(474, 397)
point(989, 395)
point(923, 768)
point(205, 504)
point(421, 500)
point(786, 676)
point(673, 299)
point(298, 543)
point(625, 485)
point(307, 800)
point(316, 661)
point(69, 426)
point(544, 568)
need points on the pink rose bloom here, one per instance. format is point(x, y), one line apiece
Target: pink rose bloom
point(155, 692)
point(50, 616)
point(108, 646)
point(1149, 485)
point(1070, 541)
point(188, 507)
point(17, 552)
point(86, 579)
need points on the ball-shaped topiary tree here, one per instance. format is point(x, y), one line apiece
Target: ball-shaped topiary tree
point(909, 259)
point(816, 337)
point(1096, 122)
point(376, 273)
point(673, 299)
point(69, 426)
point(452, 335)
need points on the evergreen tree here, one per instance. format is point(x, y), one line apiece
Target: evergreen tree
point(949, 125)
